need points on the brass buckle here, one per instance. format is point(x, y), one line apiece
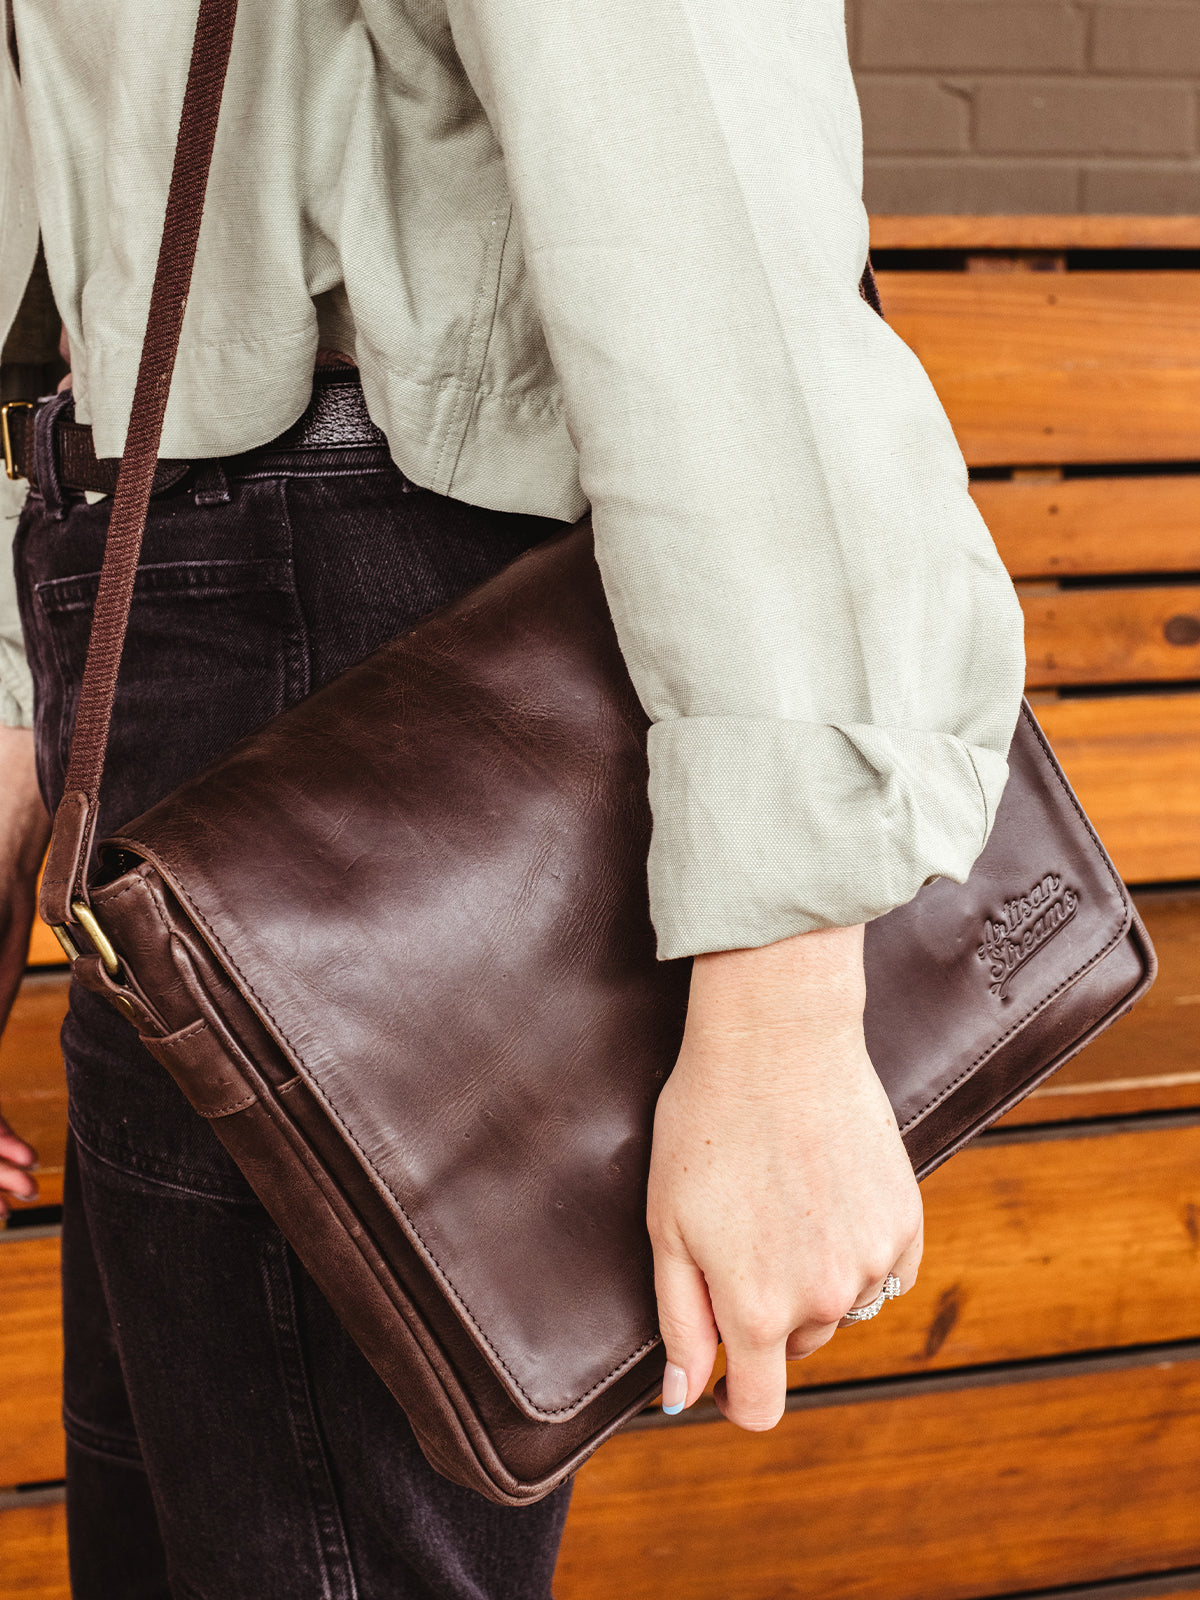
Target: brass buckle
point(10, 465)
point(100, 940)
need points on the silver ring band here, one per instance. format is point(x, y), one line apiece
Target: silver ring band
point(891, 1288)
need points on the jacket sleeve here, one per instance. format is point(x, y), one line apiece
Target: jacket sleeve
point(18, 247)
point(809, 603)
point(16, 690)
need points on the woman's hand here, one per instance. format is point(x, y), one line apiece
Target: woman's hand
point(24, 832)
point(780, 1193)
point(15, 1159)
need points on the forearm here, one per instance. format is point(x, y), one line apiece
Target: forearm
point(16, 690)
point(811, 985)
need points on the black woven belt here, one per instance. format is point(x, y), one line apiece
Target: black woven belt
point(336, 418)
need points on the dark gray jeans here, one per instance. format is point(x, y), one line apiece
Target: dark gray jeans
point(226, 1440)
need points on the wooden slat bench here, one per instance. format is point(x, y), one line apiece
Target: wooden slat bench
point(1026, 1421)
point(31, 1446)
point(33, 1546)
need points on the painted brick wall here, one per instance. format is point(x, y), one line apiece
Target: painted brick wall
point(1029, 105)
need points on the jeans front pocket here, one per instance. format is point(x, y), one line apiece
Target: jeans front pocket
point(214, 649)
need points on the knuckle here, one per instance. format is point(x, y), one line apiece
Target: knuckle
point(676, 1319)
point(827, 1313)
point(762, 1327)
point(877, 1265)
point(830, 1301)
point(676, 1335)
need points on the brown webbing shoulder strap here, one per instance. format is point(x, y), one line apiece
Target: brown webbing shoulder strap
point(64, 880)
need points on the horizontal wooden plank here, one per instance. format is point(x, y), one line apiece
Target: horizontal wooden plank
point(1123, 634)
point(1041, 1249)
point(1046, 525)
point(1150, 1059)
point(31, 1439)
point(33, 1091)
point(33, 1551)
point(1048, 231)
point(941, 1496)
point(1134, 761)
point(1031, 367)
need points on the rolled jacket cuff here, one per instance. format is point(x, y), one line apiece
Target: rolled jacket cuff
point(766, 828)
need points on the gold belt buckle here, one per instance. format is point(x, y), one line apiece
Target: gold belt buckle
point(13, 405)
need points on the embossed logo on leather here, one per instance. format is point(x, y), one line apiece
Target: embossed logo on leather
point(1025, 924)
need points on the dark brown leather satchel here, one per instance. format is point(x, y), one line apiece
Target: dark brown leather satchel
point(396, 947)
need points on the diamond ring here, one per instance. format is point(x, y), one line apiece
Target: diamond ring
point(891, 1288)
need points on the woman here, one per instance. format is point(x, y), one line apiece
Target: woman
point(604, 255)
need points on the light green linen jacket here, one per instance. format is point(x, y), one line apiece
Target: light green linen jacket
point(598, 251)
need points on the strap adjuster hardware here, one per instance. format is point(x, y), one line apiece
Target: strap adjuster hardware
point(100, 940)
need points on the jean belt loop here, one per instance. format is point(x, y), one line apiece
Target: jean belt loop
point(212, 486)
point(45, 457)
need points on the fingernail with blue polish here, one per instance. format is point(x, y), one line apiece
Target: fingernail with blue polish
point(675, 1387)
